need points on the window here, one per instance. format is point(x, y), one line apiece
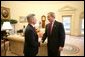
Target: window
point(82, 26)
point(66, 23)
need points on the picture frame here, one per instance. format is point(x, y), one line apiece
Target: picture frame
point(5, 13)
point(43, 19)
point(22, 19)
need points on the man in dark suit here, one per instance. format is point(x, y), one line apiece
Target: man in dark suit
point(31, 37)
point(56, 36)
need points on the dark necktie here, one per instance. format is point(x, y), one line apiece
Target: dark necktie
point(50, 28)
point(34, 29)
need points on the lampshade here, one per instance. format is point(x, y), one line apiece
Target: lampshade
point(6, 26)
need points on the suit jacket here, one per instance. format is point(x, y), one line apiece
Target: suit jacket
point(57, 36)
point(31, 41)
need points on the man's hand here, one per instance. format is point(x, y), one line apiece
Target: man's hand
point(40, 34)
point(41, 41)
point(60, 48)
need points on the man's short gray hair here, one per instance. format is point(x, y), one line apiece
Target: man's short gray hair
point(30, 16)
point(52, 14)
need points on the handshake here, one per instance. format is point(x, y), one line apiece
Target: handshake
point(40, 35)
point(40, 41)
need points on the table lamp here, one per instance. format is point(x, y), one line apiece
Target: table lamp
point(6, 27)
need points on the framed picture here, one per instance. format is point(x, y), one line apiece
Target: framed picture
point(22, 19)
point(43, 19)
point(5, 13)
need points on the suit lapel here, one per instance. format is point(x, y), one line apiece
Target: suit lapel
point(32, 28)
point(54, 25)
point(53, 29)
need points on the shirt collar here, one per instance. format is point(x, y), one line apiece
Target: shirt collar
point(33, 25)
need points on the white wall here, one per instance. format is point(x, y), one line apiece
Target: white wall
point(23, 8)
